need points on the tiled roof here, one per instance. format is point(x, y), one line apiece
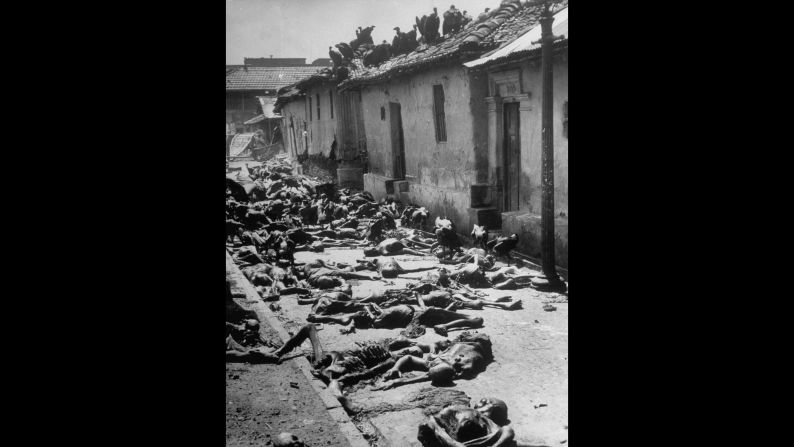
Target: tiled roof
point(265, 78)
point(285, 95)
point(525, 43)
point(503, 25)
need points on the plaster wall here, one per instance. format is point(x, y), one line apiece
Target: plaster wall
point(323, 130)
point(531, 138)
point(440, 174)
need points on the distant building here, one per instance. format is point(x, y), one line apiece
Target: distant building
point(245, 83)
point(322, 62)
point(275, 62)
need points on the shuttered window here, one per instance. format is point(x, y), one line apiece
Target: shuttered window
point(331, 100)
point(318, 106)
point(438, 111)
point(310, 107)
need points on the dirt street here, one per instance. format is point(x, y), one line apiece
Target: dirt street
point(529, 371)
point(265, 400)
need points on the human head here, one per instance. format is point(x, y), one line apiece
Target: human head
point(441, 373)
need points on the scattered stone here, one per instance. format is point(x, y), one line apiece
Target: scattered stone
point(541, 405)
point(294, 384)
point(275, 307)
point(549, 308)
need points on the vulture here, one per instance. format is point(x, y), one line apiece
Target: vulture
point(400, 44)
point(379, 54)
point(336, 57)
point(431, 27)
point(450, 21)
point(465, 19)
point(410, 40)
point(503, 245)
point(480, 236)
point(345, 49)
point(420, 25)
point(446, 235)
point(397, 41)
point(365, 36)
point(341, 73)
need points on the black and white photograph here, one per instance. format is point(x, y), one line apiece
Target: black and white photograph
point(397, 192)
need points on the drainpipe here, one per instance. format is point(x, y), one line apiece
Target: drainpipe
point(550, 280)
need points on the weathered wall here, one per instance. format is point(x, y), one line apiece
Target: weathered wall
point(323, 130)
point(530, 182)
point(439, 173)
point(293, 124)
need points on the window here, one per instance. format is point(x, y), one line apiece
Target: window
point(309, 112)
point(438, 111)
point(318, 106)
point(383, 113)
point(565, 119)
point(331, 101)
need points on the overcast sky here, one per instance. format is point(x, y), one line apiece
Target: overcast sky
point(306, 28)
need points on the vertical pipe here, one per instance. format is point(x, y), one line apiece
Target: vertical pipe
point(547, 154)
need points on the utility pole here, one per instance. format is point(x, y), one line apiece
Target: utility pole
point(550, 280)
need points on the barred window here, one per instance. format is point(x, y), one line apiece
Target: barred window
point(438, 111)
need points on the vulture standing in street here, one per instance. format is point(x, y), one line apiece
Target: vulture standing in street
point(480, 236)
point(446, 236)
point(503, 245)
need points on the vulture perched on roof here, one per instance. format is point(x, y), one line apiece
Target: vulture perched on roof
point(397, 43)
point(420, 24)
point(410, 40)
point(336, 56)
point(345, 49)
point(451, 21)
point(431, 26)
point(365, 36)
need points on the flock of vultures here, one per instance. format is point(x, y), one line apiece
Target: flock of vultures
point(426, 31)
point(277, 214)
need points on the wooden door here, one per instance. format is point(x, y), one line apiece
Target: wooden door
point(398, 144)
point(512, 157)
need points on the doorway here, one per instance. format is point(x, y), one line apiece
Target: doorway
point(511, 158)
point(397, 141)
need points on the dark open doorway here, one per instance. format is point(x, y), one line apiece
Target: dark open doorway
point(511, 156)
point(397, 142)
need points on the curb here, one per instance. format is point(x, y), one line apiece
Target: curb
point(334, 408)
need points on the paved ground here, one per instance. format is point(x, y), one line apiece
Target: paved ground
point(265, 400)
point(529, 372)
